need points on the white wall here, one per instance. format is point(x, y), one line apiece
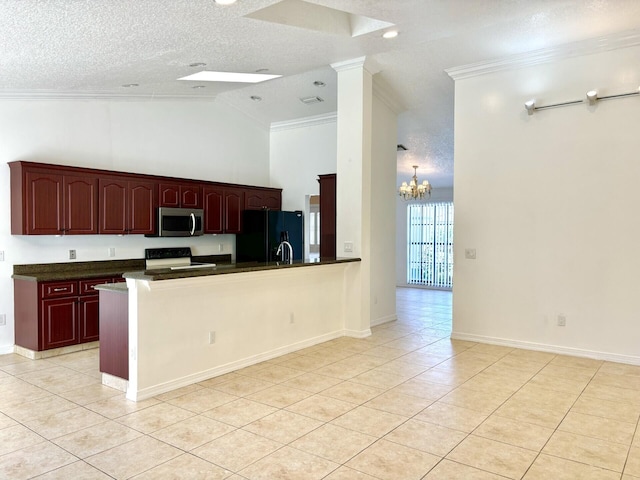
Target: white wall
point(383, 213)
point(550, 203)
point(202, 140)
point(299, 152)
point(437, 195)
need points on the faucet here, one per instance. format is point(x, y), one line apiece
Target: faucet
point(284, 242)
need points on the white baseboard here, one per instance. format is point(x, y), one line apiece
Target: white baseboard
point(357, 333)
point(542, 347)
point(4, 349)
point(382, 320)
point(152, 391)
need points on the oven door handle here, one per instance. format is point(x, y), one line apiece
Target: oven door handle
point(193, 223)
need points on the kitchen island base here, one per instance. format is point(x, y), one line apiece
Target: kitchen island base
point(183, 331)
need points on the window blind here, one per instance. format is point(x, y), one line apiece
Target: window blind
point(430, 244)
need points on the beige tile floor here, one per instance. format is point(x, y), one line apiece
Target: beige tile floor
point(406, 403)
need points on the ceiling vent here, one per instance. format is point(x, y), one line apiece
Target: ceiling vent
point(311, 100)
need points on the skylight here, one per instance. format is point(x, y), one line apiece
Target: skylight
point(208, 76)
point(301, 14)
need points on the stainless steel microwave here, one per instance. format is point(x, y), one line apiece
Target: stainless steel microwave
point(180, 222)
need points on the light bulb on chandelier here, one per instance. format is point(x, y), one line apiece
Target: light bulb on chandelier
point(414, 190)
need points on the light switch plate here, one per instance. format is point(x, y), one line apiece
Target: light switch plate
point(470, 253)
point(1, 255)
point(3, 319)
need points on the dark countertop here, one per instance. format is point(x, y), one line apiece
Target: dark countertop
point(119, 287)
point(168, 274)
point(134, 268)
point(44, 272)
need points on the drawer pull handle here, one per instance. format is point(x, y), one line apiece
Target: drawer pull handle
point(60, 289)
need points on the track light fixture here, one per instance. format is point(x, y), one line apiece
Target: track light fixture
point(592, 98)
point(530, 105)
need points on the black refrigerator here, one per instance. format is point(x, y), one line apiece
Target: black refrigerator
point(264, 230)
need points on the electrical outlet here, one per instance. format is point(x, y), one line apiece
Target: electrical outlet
point(348, 246)
point(72, 254)
point(562, 320)
point(112, 251)
point(3, 319)
point(212, 338)
point(1, 255)
point(470, 253)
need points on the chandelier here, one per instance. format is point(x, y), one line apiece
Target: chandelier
point(414, 190)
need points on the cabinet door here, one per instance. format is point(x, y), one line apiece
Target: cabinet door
point(213, 210)
point(113, 205)
point(169, 195)
point(44, 204)
point(191, 196)
point(272, 200)
point(142, 207)
point(89, 315)
point(59, 322)
point(253, 200)
point(261, 199)
point(233, 202)
point(327, 216)
point(80, 205)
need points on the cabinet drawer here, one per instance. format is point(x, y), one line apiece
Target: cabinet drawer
point(58, 289)
point(86, 286)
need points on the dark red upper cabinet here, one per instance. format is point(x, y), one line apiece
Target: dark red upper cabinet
point(262, 198)
point(127, 206)
point(179, 195)
point(46, 202)
point(223, 209)
point(80, 205)
point(233, 202)
point(213, 209)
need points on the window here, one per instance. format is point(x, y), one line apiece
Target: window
point(430, 244)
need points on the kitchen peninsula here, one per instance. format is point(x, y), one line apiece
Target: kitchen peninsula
point(191, 325)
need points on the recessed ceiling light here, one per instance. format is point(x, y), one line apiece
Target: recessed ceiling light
point(197, 64)
point(311, 100)
point(128, 85)
point(318, 83)
point(255, 98)
point(206, 76)
point(390, 34)
point(225, 2)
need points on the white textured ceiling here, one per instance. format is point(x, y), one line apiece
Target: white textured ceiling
point(93, 47)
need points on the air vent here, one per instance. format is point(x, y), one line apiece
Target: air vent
point(311, 100)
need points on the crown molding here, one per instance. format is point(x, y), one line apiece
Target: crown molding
point(361, 62)
point(305, 122)
point(53, 95)
point(606, 43)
